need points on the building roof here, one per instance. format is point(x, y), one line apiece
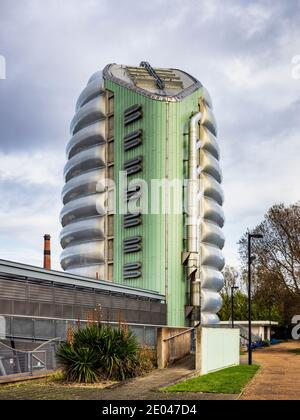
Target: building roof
point(14, 270)
point(254, 323)
point(169, 85)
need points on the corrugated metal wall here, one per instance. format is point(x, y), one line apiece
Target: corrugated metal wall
point(164, 148)
point(176, 167)
point(25, 298)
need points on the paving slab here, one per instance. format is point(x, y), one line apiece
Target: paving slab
point(144, 388)
point(279, 377)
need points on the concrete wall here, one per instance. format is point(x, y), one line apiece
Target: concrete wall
point(172, 344)
point(259, 331)
point(217, 348)
point(262, 331)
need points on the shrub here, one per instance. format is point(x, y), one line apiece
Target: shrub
point(80, 364)
point(147, 359)
point(103, 352)
point(119, 354)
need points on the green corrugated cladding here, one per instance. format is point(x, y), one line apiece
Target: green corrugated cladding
point(164, 151)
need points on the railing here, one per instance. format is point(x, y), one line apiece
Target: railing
point(173, 344)
point(179, 334)
point(245, 338)
point(15, 362)
point(20, 327)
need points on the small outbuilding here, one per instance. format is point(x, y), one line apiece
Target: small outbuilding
point(261, 330)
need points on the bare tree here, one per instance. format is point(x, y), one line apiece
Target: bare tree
point(232, 278)
point(277, 264)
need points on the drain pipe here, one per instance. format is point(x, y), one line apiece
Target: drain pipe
point(193, 227)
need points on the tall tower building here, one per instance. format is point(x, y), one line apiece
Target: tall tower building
point(143, 196)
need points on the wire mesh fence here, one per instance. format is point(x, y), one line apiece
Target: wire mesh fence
point(43, 329)
point(21, 330)
point(14, 361)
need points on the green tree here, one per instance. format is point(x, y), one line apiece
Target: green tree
point(240, 307)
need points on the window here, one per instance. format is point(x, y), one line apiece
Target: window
point(110, 152)
point(110, 243)
point(110, 172)
point(111, 126)
point(110, 222)
point(110, 273)
point(110, 105)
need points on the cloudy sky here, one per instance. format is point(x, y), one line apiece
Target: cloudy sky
point(241, 50)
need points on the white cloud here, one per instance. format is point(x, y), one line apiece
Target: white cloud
point(267, 176)
point(242, 52)
point(253, 17)
point(30, 186)
point(40, 167)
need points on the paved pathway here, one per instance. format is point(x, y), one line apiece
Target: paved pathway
point(279, 378)
point(24, 377)
point(145, 388)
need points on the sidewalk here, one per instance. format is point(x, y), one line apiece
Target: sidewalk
point(279, 378)
point(145, 388)
point(24, 377)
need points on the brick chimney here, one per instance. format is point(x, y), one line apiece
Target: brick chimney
point(47, 252)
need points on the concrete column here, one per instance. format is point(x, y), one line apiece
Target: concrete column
point(198, 351)
point(161, 349)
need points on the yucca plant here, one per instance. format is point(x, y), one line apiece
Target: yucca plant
point(100, 351)
point(93, 335)
point(79, 364)
point(119, 359)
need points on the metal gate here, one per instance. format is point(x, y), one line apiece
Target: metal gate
point(42, 358)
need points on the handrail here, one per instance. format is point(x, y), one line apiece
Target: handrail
point(47, 342)
point(245, 338)
point(179, 334)
point(160, 83)
point(31, 351)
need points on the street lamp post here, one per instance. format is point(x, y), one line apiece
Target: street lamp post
point(233, 288)
point(250, 260)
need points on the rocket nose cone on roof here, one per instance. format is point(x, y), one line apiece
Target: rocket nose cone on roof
point(156, 83)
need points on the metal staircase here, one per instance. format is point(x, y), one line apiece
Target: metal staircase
point(147, 77)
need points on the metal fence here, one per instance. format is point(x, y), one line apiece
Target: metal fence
point(44, 329)
point(24, 331)
point(16, 362)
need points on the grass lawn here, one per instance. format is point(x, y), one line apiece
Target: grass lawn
point(50, 388)
point(227, 381)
